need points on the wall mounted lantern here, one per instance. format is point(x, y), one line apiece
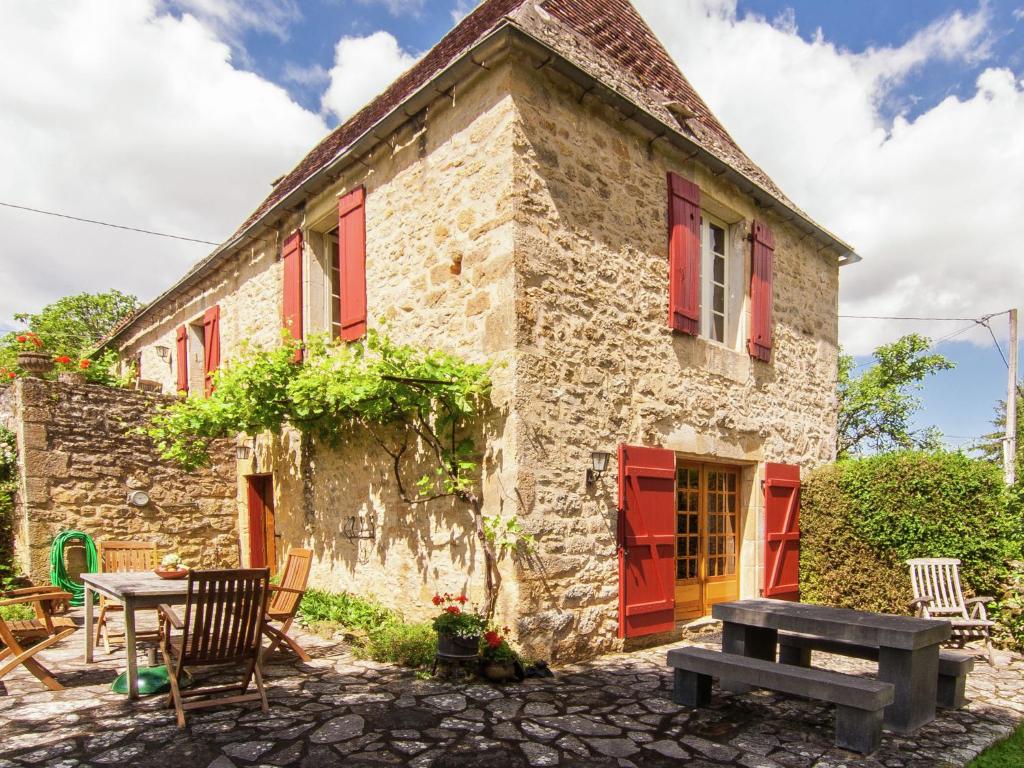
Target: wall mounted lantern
point(245, 448)
point(599, 463)
point(164, 353)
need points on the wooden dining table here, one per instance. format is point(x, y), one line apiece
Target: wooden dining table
point(135, 591)
point(908, 648)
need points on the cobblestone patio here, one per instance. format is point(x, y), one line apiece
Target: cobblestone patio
point(612, 711)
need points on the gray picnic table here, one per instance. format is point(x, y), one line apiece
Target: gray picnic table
point(134, 590)
point(908, 648)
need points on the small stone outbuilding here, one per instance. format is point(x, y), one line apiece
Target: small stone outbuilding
point(543, 189)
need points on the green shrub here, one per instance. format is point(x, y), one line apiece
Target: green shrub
point(863, 518)
point(344, 609)
point(20, 612)
point(408, 645)
point(8, 486)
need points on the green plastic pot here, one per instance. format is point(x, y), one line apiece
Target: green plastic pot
point(152, 680)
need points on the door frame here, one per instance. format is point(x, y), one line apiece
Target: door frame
point(260, 508)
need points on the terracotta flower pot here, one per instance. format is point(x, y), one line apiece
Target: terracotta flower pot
point(453, 647)
point(36, 363)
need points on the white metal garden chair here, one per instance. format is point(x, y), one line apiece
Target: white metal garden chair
point(937, 595)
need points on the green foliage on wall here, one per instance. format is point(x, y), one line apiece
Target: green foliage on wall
point(863, 518)
point(8, 485)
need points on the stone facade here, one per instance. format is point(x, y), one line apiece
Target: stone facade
point(78, 460)
point(523, 222)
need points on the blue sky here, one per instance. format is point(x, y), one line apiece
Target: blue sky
point(871, 115)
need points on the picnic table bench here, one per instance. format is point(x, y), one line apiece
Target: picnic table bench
point(859, 701)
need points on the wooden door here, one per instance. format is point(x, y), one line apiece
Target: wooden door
point(262, 535)
point(782, 531)
point(707, 537)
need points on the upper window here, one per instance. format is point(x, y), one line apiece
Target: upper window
point(714, 300)
point(335, 267)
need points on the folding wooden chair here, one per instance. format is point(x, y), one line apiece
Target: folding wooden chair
point(937, 595)
point(120, 557)
point(46, 628)
point(285, 603)
point(224, 611)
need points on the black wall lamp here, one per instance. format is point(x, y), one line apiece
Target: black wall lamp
point(599, 463)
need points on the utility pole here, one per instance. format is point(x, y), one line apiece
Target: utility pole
point(1010, 441)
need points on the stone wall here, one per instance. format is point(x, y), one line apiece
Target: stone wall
point(79, 458)
point(597, 365)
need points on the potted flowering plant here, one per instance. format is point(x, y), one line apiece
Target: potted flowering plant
point(31, 356)
point(498, 658)
point(69, 370)
point(7, 375)
point(458, 628)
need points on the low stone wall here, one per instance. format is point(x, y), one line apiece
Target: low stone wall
point(79, 456)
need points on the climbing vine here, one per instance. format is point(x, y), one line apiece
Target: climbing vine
point(418, 405)
point(8, 485)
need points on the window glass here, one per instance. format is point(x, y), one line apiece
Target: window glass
point(332, 259)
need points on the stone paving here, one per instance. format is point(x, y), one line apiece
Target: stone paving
point(613, 711)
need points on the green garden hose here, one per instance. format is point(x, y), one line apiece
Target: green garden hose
point(58, 569)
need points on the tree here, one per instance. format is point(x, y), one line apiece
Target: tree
point(875, 408)
point(72, 325)
point(992, 447)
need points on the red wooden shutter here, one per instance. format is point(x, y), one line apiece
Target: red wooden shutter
point(647, 535)
point(211, 345)
point(182, 358)
point(683, 255)
point(763, 252)
point(782, 531)
point(291, 255)
point(352, 263)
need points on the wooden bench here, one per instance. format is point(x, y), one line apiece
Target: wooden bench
point(859, 701)
point(953, 666)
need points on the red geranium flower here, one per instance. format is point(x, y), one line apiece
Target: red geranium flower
point(462, 599)
point(493, 638)
point(12, 375)
point(22, 339)
point(453, 609)
point(85, 364)
point(436, 600)
point(62, 359)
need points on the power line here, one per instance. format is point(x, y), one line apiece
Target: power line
point(108, 224)
point(887, 317)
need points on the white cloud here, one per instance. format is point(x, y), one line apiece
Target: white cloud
point(398, 7)
point(122, 112)
point(932, 203)
point(363, 67)
point(462, 9)
point(231, 19)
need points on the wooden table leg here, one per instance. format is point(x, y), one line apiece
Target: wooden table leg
point(915, 675)
point(87, 605)
point(129, 648)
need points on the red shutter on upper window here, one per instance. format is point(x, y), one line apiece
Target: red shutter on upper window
point(647, 540)
point(182, 358)
point(762, 254)
point(683, 255)
point(211, 345)
point(352, 263)
point(291, 256)
point(782, 531)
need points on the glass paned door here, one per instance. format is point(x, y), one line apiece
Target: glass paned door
point(707, 537)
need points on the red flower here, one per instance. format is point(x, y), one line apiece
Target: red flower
point(12, 375)
point(462, 599)
point(453, 609)
point(85, 364)
point(493, 639)
point(22, 339)
point(62, 359)
point(436, 600)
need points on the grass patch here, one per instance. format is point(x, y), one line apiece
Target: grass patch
point(376, 632)
point(1009, 751)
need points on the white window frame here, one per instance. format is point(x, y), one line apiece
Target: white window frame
point(707, 274)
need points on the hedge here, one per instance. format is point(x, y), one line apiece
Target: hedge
point(861, 519)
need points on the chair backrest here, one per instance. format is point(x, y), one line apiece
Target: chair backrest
point(295, 577)
point(939, 579)
point(223, 615)
point(120, 556)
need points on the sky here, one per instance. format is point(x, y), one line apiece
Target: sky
point(897, 125)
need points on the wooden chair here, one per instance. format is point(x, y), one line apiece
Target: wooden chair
point(224, 612)
point(120, 557)
point(45, 628)
point(937, 595)
point(285, 602)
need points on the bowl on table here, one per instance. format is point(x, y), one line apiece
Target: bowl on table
point(171, 573)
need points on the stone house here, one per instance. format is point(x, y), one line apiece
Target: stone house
point(543, 189)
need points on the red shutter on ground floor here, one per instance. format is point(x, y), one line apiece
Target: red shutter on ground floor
point(211, 345)
point(181, 358)
point(647, 531)
point(352, 263)
point(782, 531)
point(762, 255)
point(291, 256)
point(683, 255)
